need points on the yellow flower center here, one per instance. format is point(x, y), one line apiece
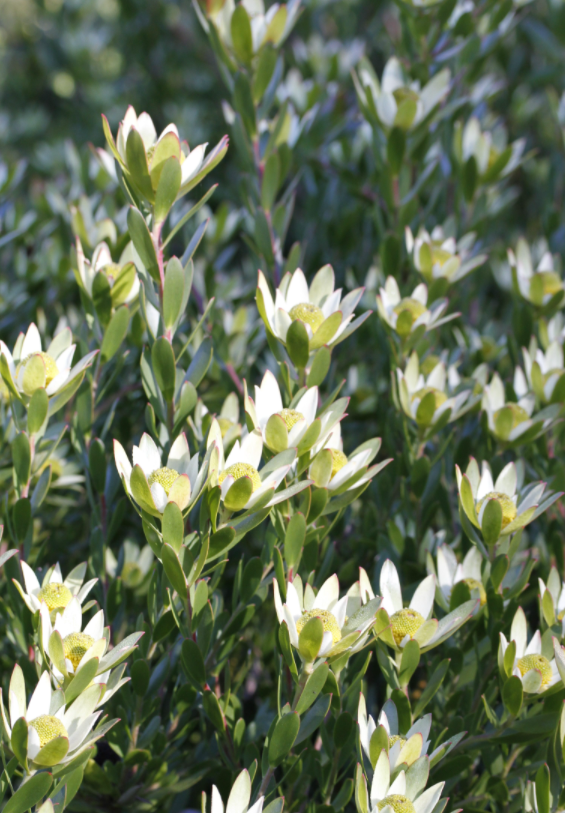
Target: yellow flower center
point(309, 314)
point(51, 369)
point(329, 623)
point(75, 646)
point(440, 256)
point(399, 803)
point(394, 738)
point(414, 308)
point(506, 503)
point(111, 271)
point(536, 662)
point(474, 584)
point(48, 728)
point(339, 459)
point(291, 417)
point(405, 622)
point(552, 282)
point(519, 414)
point(404, 93)
point(239, 470)
point(56, 596)
point(439, 396)
point(164, 476)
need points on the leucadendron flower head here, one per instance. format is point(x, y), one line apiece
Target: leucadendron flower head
point(514, 422)
point(316, 314)
point(54, 591)
point(415, 622)
point(409, 317)
point(295, 425)
point(332, 469)
point(533, 663)
point(545, 372)
point(239, 798)
point(405, 793)
point(243, 486)
point(153, 485)
point(389, 733)
point(142, 156)
point(119, 277)
point(267, 27)
point(438, 256)
point(342, 625)
point(493, 157)
point(56, 733)
point(541, 286)
point(450, 572)
point(29, 368)
point(397, 100)
point(431, 401)
point(552, 597)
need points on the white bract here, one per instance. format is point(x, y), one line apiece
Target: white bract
point(541, 286)
point(552, 597)
point(415, 622)
point(404, 747)
point(545, 372)
point(54, 591)
point(55, 733)
point(537, 671)
point(339, 472)
point(410, 314)
point(513, 421)
point(121, 275)
point(77, 642)
point(325, 315)
point(29, 368)
point(152, 484)
point(438, 256)
point(346, 621)
point(450, 572)
point(398, 101)
point(238, 800)
point(400, 795)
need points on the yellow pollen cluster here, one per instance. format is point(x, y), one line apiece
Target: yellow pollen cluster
point(536, 662)
point(519, 414)
point(291, 417)
point(164, 476)
point(75, 646)
point(111, 271)
point(506, 503)
point(339, 459)
point(239, 470)
point(48, 728)
point(405, 622)
point(329, 623)
point(552, 282)
point(55, 595)
point(474, 584)
point(394, 738)
point(309, 314)
point(399, 803)
point(51, 369)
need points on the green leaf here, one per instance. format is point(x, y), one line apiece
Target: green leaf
point(499, 570)
point(173, 570)
point(173, 526)
point(102, 298)
point(309, 437)
point(251, 579)
point(199, 365)
point(426, 408)
point(542, 789)
point(193, 662)
point(163, 363)
point(21, 459)
point(286, 649)
point(491, 523)
point(276, 434)
point(213, 710)
point(242, 38)
point(82, 679)
point(115, 333)
point(57, 652)
point(314, 686)
point(173, 294)
point(297, 344)
point(29, 794)
point(321, 468)
point(469, 178)
point(509, 657)
point(271, 180)
point(243, 103)
point(264, 70)
point(34, 374)
point(361, 793)
point(143, 243)
point(320, 367)
point(378, 743)
point(409, 662)
point(238, 494)
point(138, 169)
point(396, 145)
point(167, 188)
point(294, 540)
point(37, 411)
point(431, 688)
point(512, 694)
point(22, 519)
point(18, 740)
point(326, 331)
point(97, 464)
point(52, 753)
point(310, 639)
point(122, 284)
point(283, 737)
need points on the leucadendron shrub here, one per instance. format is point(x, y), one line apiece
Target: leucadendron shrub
point(282, 326)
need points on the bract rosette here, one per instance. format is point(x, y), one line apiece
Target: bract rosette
point(438, 256)
point(53, 590)
point(405, 793)
point(331, 468)
point(531, 662)
point(541, 286)
point(121, 277)
point(239, 798)
point(514, 422)
point(545, 372)
point(552, 597)
point(410, 316)
point(451, 572)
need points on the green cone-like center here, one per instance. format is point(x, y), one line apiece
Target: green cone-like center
point(536, 662)
point(75, 647)
point(506, 503)
point(239, 470)
point(309, 314)
point(519, 414)
point(56, 596)
point(399, 803)
point(405, 622)
point(291, 417)
point(474, 584)
point(329, 623)
point(339, 459)
point(48, 728)
point(51, 369)
point(164, 476)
